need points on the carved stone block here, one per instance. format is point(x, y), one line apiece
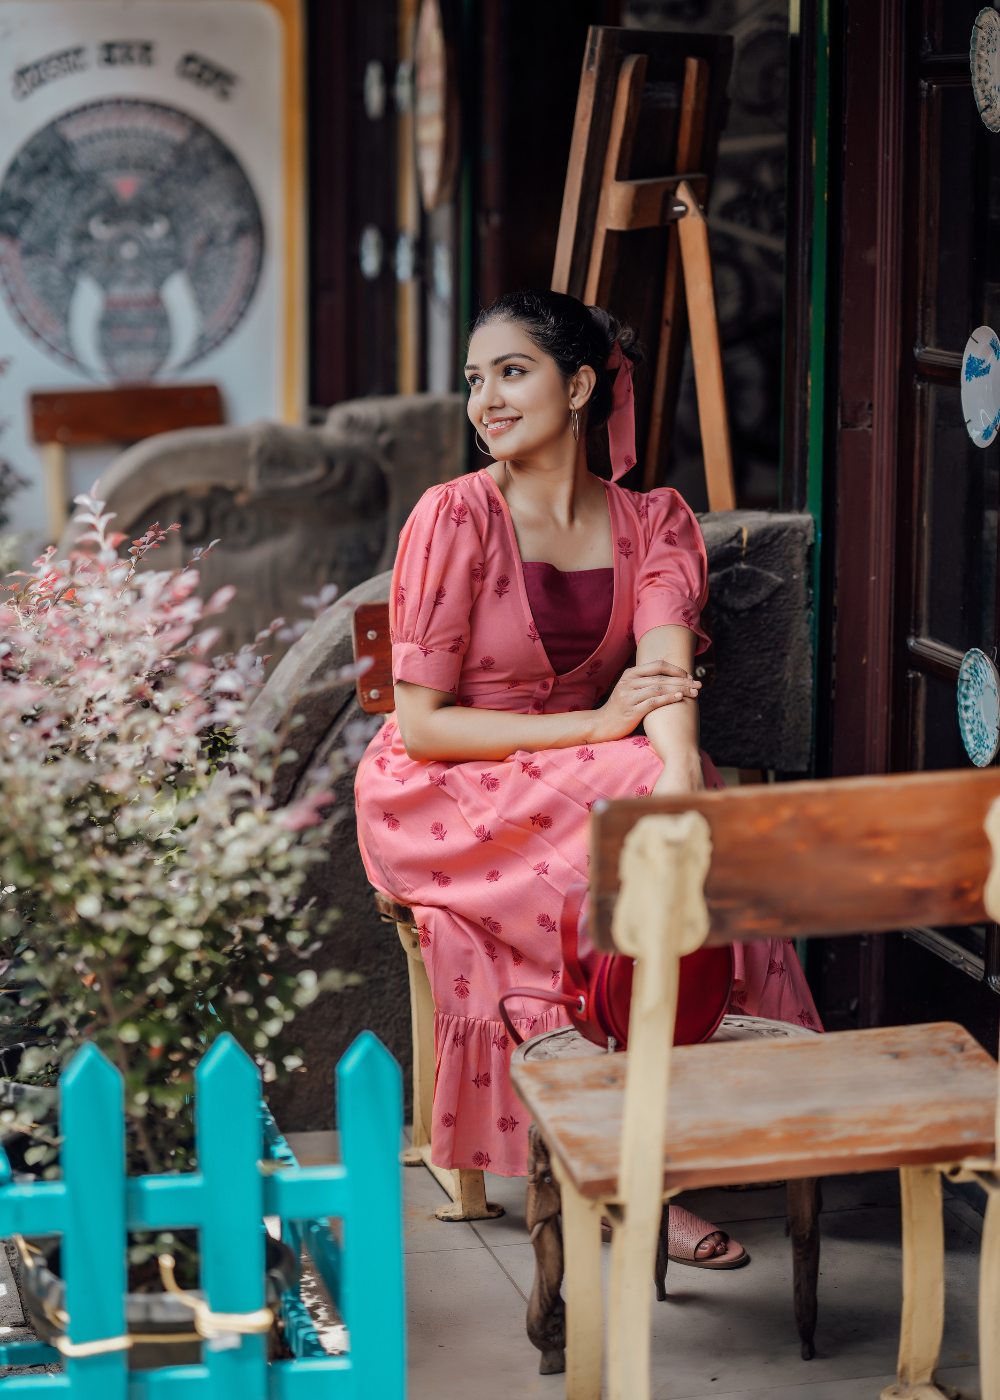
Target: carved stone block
point(293, 509)
point(758, 713)
point(359, 941)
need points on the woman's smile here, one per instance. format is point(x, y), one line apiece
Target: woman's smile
point(495, 426)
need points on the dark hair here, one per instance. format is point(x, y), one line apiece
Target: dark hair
point(574, 335)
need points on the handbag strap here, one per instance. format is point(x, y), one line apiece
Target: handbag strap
point(569, 921)
point(537, 994)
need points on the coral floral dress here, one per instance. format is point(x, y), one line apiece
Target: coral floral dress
point(483, 852)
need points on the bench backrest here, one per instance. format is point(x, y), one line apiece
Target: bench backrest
point(797, 860)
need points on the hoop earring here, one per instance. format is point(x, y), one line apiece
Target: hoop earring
point(575, 419)
point(484, 450)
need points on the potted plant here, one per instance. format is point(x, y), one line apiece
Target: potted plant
point(150, 885)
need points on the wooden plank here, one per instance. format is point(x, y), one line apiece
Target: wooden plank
point(617, 160)
point(751, 1111)
point(846, 855)
point(633, 204)
point(371, 638)
point(85, 417)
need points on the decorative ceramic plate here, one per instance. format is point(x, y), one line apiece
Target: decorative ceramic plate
point(979, 707)
point(981, 386)
point(984, 61)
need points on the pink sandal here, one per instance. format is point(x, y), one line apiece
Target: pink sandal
point(687, 1232)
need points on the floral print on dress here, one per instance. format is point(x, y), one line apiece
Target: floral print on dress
point(460, 515)
point(540, 819)
point(438, 831)
point(481, 1159)
point(462, 987)
point(502, 586)
point(391, 820)
point(490, 923)
point(482, 834)
point(492, 876)
point(448, 1120)
point(488, 781)
point(624, 547)
point(546, 922)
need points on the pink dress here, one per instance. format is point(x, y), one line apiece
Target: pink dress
point(483, 852)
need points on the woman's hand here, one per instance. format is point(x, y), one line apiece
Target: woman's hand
point(641, 690)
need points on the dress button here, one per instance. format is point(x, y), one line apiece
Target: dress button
point(546, 685)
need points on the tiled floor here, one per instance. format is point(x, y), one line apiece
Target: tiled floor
point(730, 1334)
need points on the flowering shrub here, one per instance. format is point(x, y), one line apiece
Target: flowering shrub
point(149, 883)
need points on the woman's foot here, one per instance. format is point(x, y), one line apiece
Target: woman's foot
point(694, 1241)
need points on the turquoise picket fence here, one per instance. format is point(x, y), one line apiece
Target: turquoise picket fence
point(245, 1172)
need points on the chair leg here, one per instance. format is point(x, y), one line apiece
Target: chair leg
point(989, 1300)
point(805, 1201)
point(467, 1189)
point(922, 1324)
point(581, 1231)
point(422, 1031)
point(546, 1310)
point(662, 1255)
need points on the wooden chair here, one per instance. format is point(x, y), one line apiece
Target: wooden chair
point(467, 1189)
point(626, 1132)
point(65, 418)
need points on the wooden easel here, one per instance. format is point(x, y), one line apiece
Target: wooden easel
point(590, 239)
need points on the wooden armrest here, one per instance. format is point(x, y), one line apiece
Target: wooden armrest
point(371, 638)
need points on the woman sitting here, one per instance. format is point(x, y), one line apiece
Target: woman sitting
point(519, 595)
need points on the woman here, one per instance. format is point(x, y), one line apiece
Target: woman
point(518, 596)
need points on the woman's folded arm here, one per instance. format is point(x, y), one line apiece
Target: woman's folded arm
point(434, 728)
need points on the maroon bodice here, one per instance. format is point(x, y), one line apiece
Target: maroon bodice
point(571, 611)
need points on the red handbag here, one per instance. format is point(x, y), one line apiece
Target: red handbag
point(596, 989)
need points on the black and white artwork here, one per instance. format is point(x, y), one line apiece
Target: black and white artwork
point(131, 239)
point(145, 216)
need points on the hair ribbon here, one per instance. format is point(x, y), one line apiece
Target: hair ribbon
point(621, 424)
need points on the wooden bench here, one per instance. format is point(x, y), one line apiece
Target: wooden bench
point(467, 1189)
point(65, 418)
point(627, 1132)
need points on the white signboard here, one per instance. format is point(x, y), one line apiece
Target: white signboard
point(143, 233)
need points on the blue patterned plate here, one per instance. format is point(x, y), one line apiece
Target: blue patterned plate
point(981, 386)
point(984, 61)
point(979, 707)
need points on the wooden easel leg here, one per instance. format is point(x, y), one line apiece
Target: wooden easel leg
point(922, 1323)
point(467, 1189)
point(804, 1205)
point(581, 1230)
point(989, 1300)
point(706, 354)
point(546, 1311)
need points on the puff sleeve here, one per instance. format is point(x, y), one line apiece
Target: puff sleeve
point(672, 583)
point(436, 579)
